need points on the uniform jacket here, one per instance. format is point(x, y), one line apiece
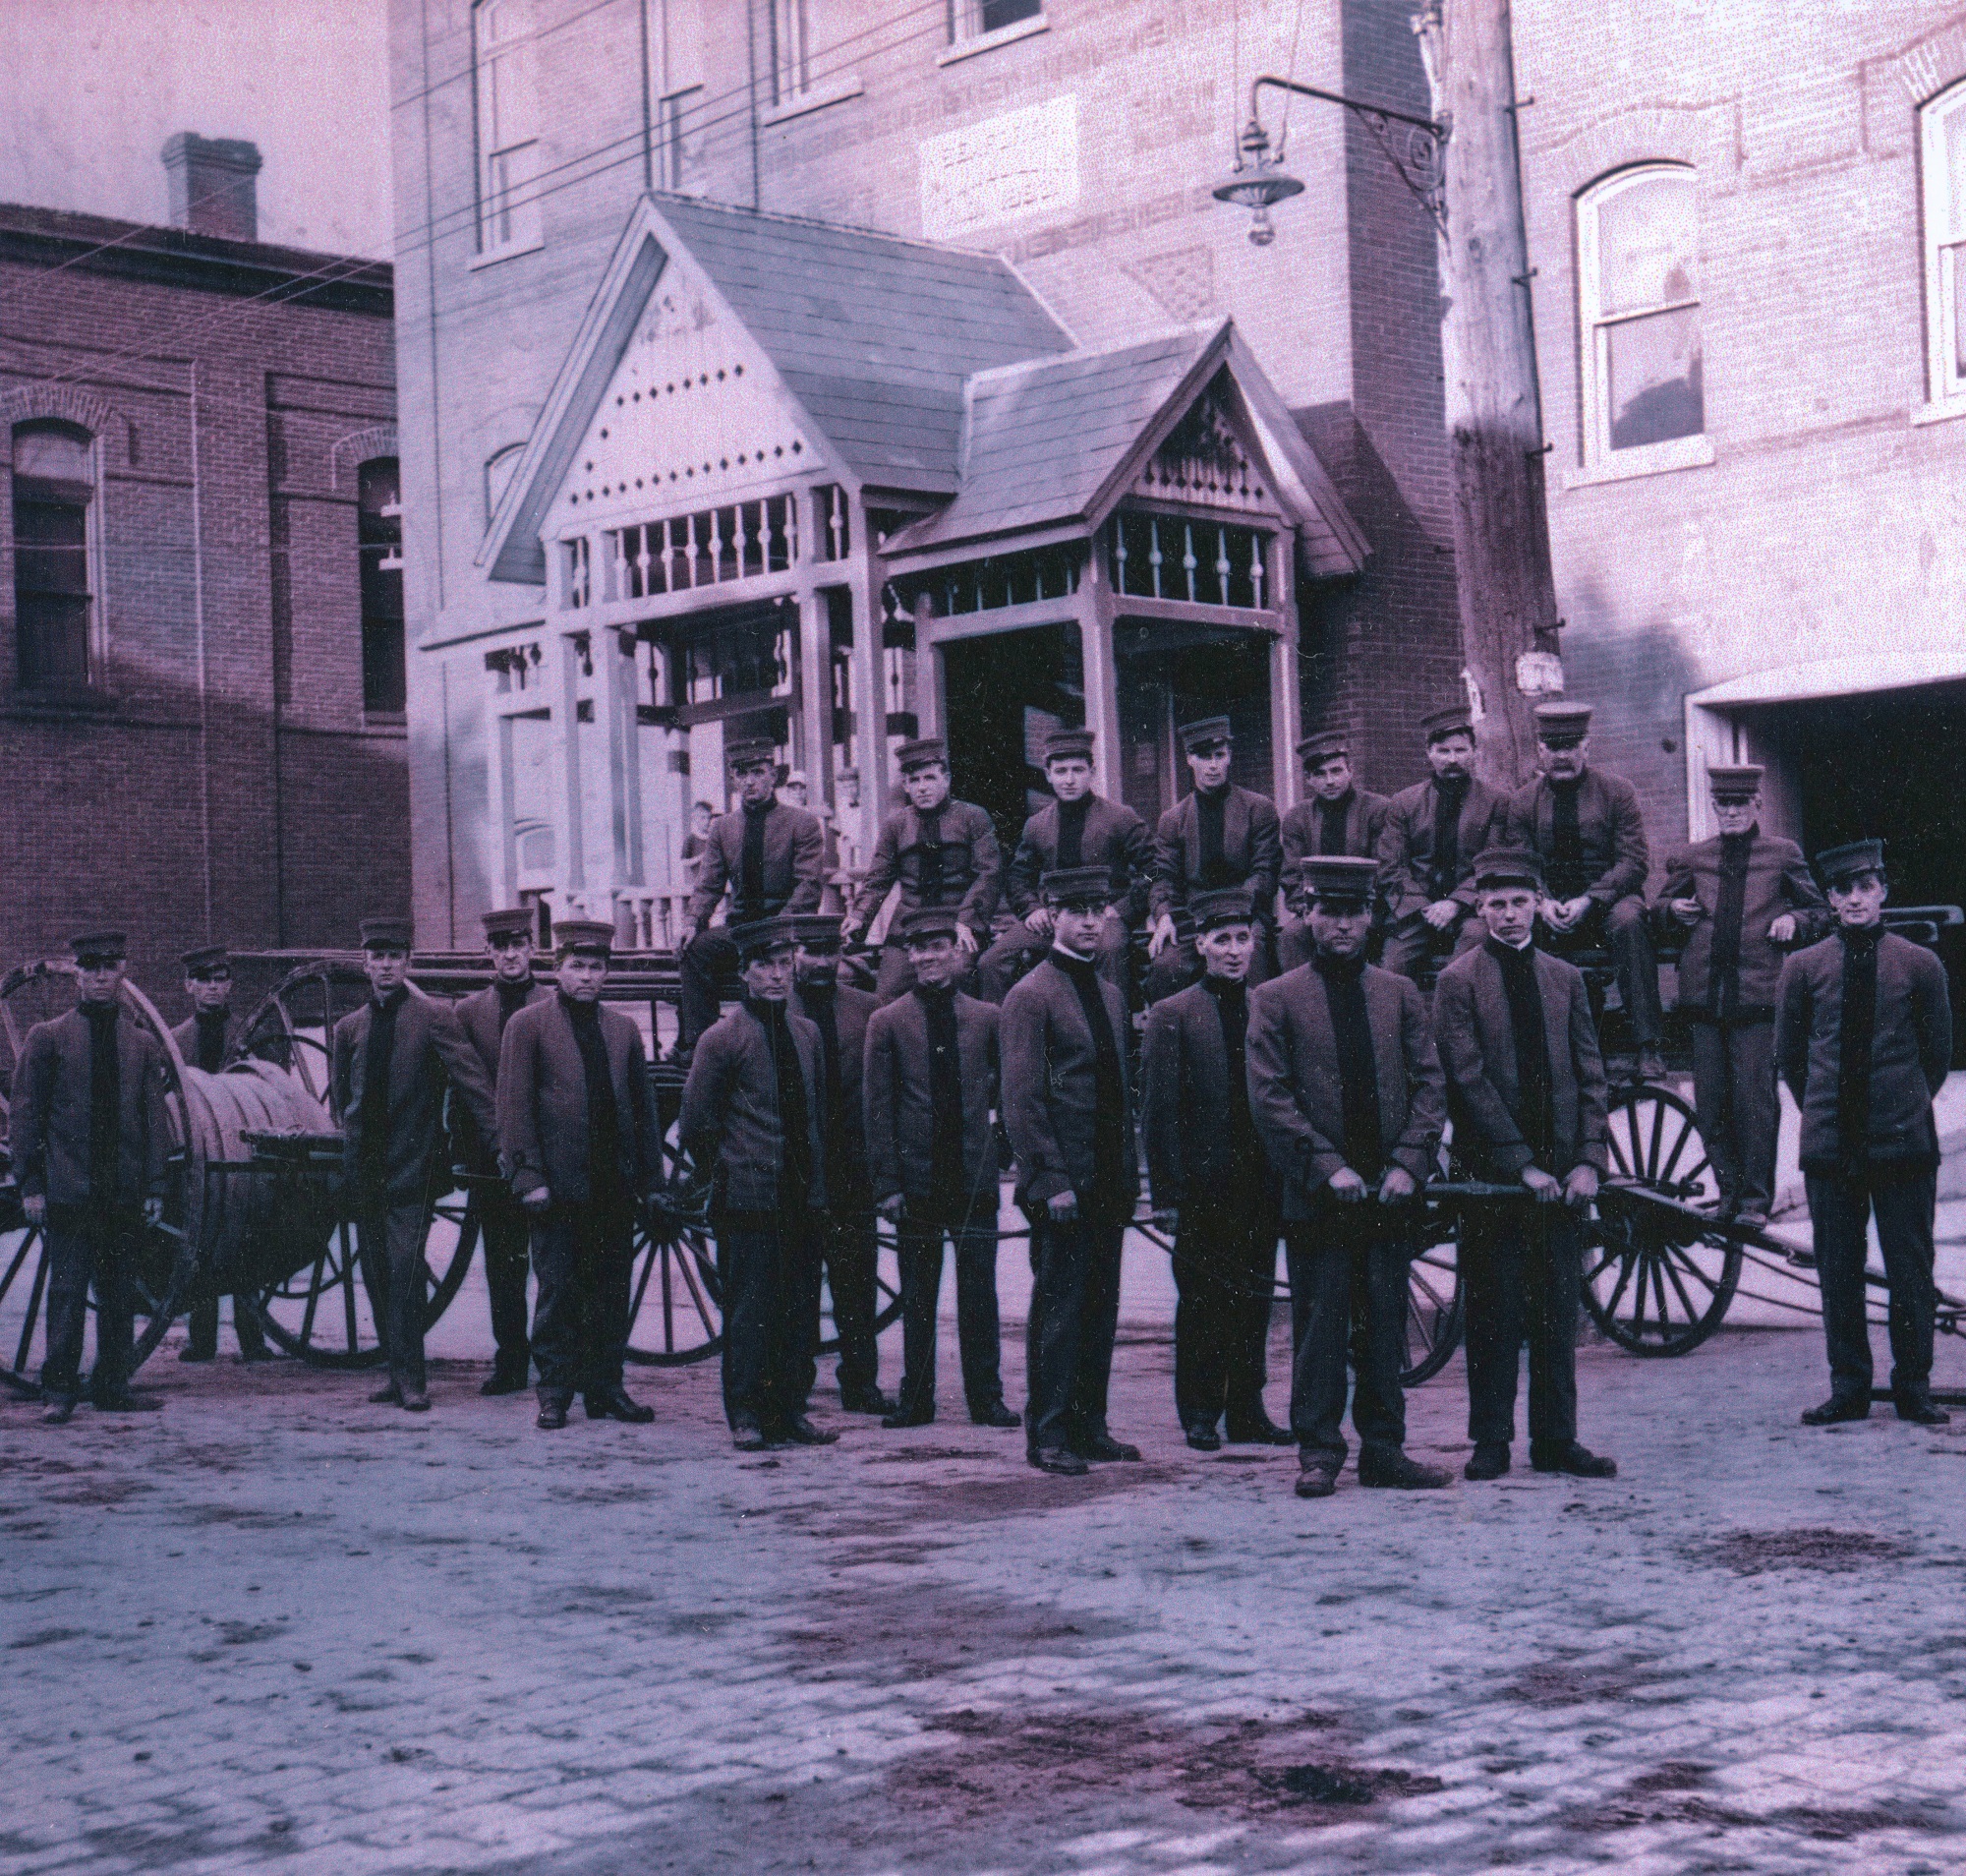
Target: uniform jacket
point(1115, 836)
point(1251, 847)
point(1911, 1048)
point(1406, 844)
point(49, 1120)
point(1364, 822)
point(543, 1119)
point(478, 1016)
point(1610, 828)
point(1478, 1050)
point(1050, 1087)
point(901, 1119)
point(1185, 1103)
point(972, 865)
point(428, 1047)
point(731, 1126)
point(794, 865)
point(847, 1183)
point(1296, 1090)
point(1778, 881)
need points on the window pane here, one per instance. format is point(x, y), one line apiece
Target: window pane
point(382, 677)
point(1655, 379)
point(1955, 260)
point(1646, 235)
point(51, 455)
point(1953, 131)
point(992, 14)
point(53, 637)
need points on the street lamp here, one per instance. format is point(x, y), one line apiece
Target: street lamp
point(1256, 181)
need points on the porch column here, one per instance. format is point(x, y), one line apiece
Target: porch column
point(1286, 679)
point(1094, 610)
point(812, 740)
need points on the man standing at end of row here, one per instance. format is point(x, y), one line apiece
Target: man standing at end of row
point(1346, 1089)
point(1068, 1111)
point(1338, 818)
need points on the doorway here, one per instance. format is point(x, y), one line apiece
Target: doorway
point(1172, 674)
point(1002, 694)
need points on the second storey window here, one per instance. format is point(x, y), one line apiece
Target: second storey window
point(1638, 287)
point(379, 526)
point(508, 126)
point(971, 19)
point(54, 600)
point(791, 50)
point(1942, 125)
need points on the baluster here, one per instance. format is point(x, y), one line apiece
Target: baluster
point(1154, 555)
point(1222, 561)
point(1187, 561)
point(1256, 567)
point(740, 539)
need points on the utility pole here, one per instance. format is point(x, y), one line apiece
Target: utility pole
point(1495, 417)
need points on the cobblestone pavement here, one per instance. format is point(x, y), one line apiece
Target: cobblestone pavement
point(275, 1626)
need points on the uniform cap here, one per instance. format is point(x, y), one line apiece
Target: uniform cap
point(1508, 866)
point(750, 752)
point(1077, 886)
point(1316, 751)
point(1339, 879)
point(510, 921)
point(920, 752)
point(1738, 782)
point(1561, 726)
point(1061, 743)
point(104, 945)
point(386, 935)
point(1449, 720)
point(584, 935)
point(202, 958)
point(929, 922)
point(815, 931)
point(761, 937)
point(1205, 732)
point(1232, 905)
point(1839, 864)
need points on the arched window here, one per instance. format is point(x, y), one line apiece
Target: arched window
point(1639, 290)
point(54, 596)
point(508, 125)
point(379, 534)
point(1943, 130)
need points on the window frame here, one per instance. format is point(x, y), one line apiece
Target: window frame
point(1594, 326)
point(496, 204)
point(380, 544)
point(967, 32)
point(96, 643)
point(1940, 217)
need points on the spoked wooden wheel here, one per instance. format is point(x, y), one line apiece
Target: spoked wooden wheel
point(675, 1301)
point(162, 1260)
point(294, 1026)
point(1654, 1283)
point(886, 1291)
point(1434, 1313)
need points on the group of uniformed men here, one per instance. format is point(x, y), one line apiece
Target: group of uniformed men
point(1308, 1104)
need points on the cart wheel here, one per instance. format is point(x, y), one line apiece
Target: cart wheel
point(886, 1291)
point(675, 1306)
point(1435, 1314)
point(1657, 1286)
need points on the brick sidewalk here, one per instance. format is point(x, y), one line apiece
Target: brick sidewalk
point(274, 1625)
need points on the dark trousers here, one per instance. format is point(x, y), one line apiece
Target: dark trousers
point(507, 1229)
point(584, 1255)
point(1623, 930)
point(1020, 948)
point(708, 968)
point(90, 1245)
point(979, 1334)
point(1740, 1110)
point(1416, 950)
point(1225, 1267)
point(767, 1264)
point(1840, 1209)
point(202, 1329)
point(1522, 1271)
point(1074, 1315)
point(848, 1251)
point(389, 1236)
point(1180, 965)
point(1348, 1269)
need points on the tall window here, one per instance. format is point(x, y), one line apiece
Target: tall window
point(672, 147)
point(971, 19)
point(1639, 282)
point(1944, 128)
point(508, 126)
point(379, 534)
point(54, 606)
point(791, 50)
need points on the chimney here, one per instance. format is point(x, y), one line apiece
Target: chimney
point(213, 190)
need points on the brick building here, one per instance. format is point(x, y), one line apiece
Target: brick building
point(202, 712)
point(835, 370)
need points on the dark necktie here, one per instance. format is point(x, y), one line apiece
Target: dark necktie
point(1566, 842)
point(1536, 1105)
point(944, 1096)
point(1071, 833)
point(604, 1115)
point(1357, 1063)
point(794, 1116)
point(751, 869)
point(928, 846)
point(1232, 1008)
point(374, 1112)
point(105, 1100)
point(1723, 971)
point(211, 1039)
point(1856, 1033)
point(513, 998)
point(1213, 868)
point(822, 1007)
point(1332, 817)
point(1108, 1089)
point(1449, 797)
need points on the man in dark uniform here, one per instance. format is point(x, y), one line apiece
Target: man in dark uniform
point(392, 1059)
point(1743, 896)
point(1864, 1041)
point(1347, 1090)
point(751, 1124)
point(91, 1134)
point(1205, 1169)
point(1526, 1092)
point(1338, 818)
point(204, 1040)
point(1076, 828)
point(1426, 848)
point(503, 1220)
point(848, 1246)
point(770, 855)
point(581, 1143)
point(931, 1089)
point(1070, 1114)
point(1591, 835)
point(941, 852)
point(1215, 837)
